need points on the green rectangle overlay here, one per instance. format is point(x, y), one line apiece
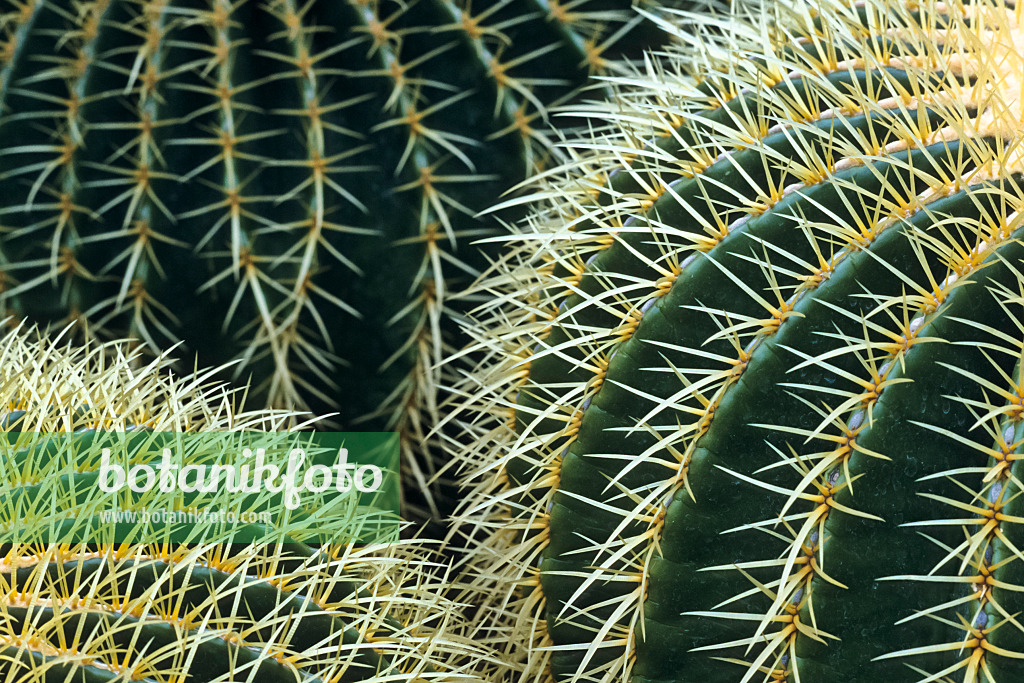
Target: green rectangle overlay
point(211, 487)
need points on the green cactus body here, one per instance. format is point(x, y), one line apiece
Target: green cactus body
point(759, 380)
point(289, 184)
point(174, 613)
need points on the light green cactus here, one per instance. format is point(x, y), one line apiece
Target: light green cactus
point(215, 612)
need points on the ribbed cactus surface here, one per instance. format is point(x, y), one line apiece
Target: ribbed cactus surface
point(289, 184)
point(166, 613)
point(754, 393)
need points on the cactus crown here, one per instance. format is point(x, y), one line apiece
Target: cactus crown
point(752, 398)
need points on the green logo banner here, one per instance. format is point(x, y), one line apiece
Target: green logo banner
point(173, 487)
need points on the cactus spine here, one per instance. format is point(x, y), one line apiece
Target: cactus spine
point(204, 612)
point(292, 184)
point(752, 403)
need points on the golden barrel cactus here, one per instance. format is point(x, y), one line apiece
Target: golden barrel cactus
point(212, 612)
point(753, 395)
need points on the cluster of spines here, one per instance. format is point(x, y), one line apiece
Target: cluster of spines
point(214, 611)
point(839, 108)
point(161, 613)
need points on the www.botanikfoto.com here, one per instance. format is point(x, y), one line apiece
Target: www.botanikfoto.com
point(184, 517)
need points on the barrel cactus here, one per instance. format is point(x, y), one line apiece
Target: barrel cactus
point(753, 395)
point(291, 185)
point(205, 611)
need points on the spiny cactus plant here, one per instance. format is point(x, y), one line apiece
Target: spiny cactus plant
point(754, 395)
point(206, 611)
point(289, 183)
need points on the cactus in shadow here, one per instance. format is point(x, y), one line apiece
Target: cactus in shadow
point(292, 185)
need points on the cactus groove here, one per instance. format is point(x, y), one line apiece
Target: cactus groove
point(758, 359)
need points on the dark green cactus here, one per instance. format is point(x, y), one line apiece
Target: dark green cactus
point(167, 613)
point(755, 390)
point(289, 184)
